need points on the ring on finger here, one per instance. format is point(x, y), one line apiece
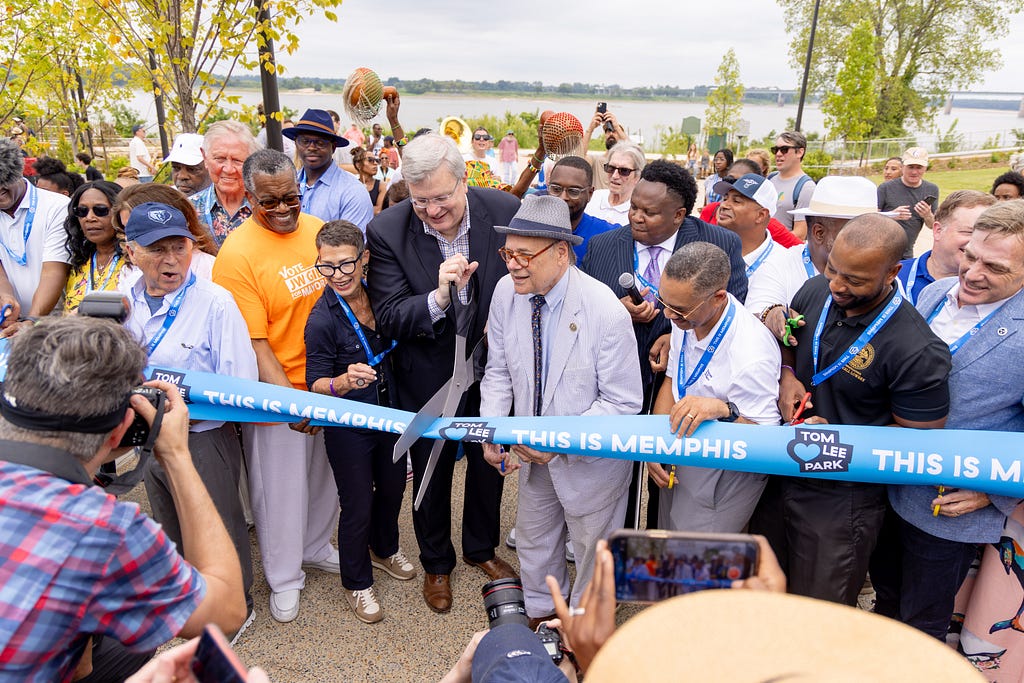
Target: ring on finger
point(360, 382)
point(577, 611)
point(690, 415)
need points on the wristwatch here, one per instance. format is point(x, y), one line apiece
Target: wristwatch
point(734, 413)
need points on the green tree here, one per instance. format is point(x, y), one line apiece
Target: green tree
point(725, 102)
point(923, 49)
point(850, 110)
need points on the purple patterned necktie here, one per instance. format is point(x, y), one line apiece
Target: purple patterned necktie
point(653, 272)
point(538, 354)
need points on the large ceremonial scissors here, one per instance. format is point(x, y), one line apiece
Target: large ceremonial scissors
point(446, 400)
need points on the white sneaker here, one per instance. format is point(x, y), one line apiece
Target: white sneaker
point(246, 624)
point(510, 540)
point(331, 565)
point(365, 606)
point(284, 606)
point(570, 556)
point(398, 565)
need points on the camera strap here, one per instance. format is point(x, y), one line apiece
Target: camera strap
point(46, 458)
point(123, 483)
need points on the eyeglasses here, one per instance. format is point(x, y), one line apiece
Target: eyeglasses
point(312, 141)
point(345, 267)
point(573, 192)
point(685, 315)
point(291, 201)
point(785, 149)
point(624, 172)
point(421, 203)
point(373, 160)
point(522, 259)
point(482, 137)
point(99, 211)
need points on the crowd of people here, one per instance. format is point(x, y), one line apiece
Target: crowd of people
point(339, 279)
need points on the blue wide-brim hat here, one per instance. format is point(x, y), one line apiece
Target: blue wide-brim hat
point(542, 215)
point(317, 122)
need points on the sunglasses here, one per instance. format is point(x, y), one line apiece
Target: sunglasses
point(345, 267)
point(522, 259)
point(310, 141)
point(679, 313)
point(624, 172)
point(482, 137)
point(785, 149)
point(99, 211)
point(373, 160)
point(291, 201)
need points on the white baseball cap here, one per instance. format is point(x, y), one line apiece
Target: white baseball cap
point(752, 186)
point(188, 150)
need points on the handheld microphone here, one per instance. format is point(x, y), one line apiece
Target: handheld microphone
point(628, 283)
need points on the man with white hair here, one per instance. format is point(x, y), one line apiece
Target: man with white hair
point(442, 235)
point(223, 205)
point(835, 200)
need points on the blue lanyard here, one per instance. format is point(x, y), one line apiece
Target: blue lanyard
point(955, 346)
point(880, 320)
point(709, 352)
point(89, 286)
point(33, 202)
point(370, 359)
point(636, 271)
point(808, 266)
point(172, 313)
point(760, 259)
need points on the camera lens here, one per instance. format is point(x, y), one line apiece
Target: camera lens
point(504, 602)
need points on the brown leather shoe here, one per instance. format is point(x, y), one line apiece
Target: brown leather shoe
point(437, 592)
point(496, 568)
point(537, 621)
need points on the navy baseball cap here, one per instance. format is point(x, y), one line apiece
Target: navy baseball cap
point(151, 222)
point(512, 653)
point(752, 186)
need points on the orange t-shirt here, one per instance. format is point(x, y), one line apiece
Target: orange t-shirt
point(275, 285)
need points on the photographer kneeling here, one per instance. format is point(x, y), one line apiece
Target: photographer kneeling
point(78, 563)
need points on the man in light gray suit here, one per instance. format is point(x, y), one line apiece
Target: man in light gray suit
point(565, 346)
point(979, 314)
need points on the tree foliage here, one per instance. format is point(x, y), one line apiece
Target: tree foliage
point(850, 109)
point(725, 102)
point(923, 49)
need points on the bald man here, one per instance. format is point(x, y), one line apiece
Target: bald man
point(823, 531)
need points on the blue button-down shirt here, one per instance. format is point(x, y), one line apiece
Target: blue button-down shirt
point(336, 195)
point(216, 217)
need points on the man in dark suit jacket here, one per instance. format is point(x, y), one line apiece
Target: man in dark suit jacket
point(442, 234)
point(659, 223)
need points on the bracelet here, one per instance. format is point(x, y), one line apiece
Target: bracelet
point(531, 164)
point(331, 387)
point(403, 142)
point(769, 309)
point(790, 368)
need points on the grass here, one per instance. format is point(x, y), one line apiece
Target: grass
point(949, 181)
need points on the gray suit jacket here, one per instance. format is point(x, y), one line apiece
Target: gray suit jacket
point(593, 369)
point(986, 387)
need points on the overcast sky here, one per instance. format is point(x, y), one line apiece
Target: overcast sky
point(632, 42)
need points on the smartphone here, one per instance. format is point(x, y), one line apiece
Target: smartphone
point(215, 661)
point(930, 198)
point(602, 107)
point(652, 564)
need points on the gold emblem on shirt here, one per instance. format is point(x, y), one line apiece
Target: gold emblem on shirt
point(863, 359)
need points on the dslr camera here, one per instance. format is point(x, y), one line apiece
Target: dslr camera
point(505, 604)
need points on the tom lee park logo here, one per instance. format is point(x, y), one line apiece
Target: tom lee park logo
point(819, 450)
point(175, 378)
point(475, 432)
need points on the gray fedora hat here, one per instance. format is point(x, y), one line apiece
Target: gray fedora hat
point(542, 215)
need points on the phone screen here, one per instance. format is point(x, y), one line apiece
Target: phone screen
point(215, 661)
point(654, 565)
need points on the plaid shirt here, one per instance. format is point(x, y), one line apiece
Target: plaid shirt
point(78, 562)
point(216, 217)
point(460, 245)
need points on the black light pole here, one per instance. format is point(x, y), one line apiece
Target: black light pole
point(807, 66)
point(161, 118)
point(268, 77)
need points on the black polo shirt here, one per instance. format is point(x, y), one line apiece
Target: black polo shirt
point(903, 371)
point(332, 345)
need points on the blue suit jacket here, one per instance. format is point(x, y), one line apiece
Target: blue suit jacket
point(986, 387)
point(610, 254)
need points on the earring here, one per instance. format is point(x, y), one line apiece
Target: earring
point(366, 269)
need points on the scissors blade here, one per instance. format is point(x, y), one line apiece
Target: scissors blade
point(421, 421)
point(428, 473)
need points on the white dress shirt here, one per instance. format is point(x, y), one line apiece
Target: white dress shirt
point(953, 321)
point(600, 207)
point(45, 242)
point(779, 279)
point(777, 260)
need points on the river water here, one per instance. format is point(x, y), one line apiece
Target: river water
point(644, 120)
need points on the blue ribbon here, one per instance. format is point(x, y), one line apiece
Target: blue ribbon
point(975, 460)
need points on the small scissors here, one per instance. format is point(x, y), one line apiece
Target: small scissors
point(446, 400)
point(792, 324)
